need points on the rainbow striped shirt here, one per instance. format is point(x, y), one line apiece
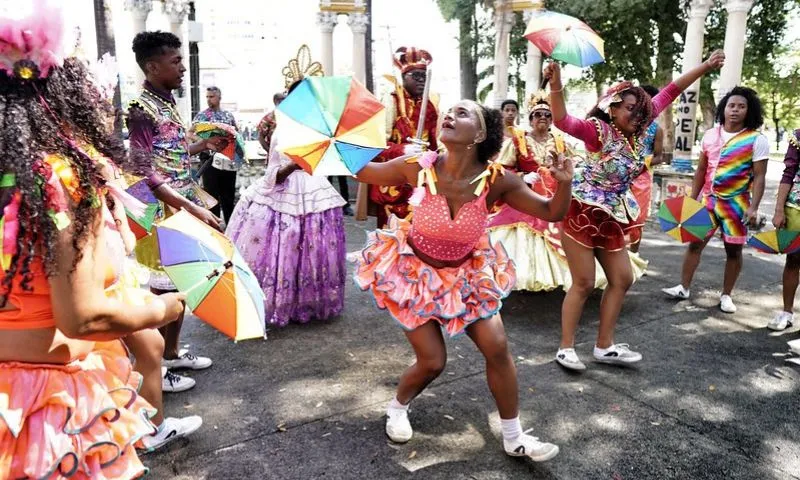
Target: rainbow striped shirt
point(735, 169)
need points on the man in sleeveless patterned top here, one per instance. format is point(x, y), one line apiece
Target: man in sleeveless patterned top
point(730, 176)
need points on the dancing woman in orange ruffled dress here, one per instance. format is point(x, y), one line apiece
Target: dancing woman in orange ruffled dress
point(439, 274)
point(68, 395)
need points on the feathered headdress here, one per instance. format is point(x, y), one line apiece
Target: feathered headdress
point(105, 75)
point(613, 95)
point(539, 101)
point(30, 47)
point(301, 67)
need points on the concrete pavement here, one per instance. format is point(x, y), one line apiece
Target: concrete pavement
point(712, 399)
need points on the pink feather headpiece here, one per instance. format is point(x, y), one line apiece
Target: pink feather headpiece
point(30, 47)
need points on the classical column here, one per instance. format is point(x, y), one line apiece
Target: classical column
point(359, 22)
point(735, 28)
point(533, 68)
point(327, 22)
point(177, 11)
point(139, 10)
point(687, 105)
point(502, 24)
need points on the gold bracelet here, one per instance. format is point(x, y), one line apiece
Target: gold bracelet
point(557, 91)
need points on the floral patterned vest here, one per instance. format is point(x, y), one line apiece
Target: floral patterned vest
point(604, 178)
point(794, 193)
point(170, 148)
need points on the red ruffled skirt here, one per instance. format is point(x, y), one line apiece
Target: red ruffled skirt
point(416, 293)
point(77, 421)
point(593, 227)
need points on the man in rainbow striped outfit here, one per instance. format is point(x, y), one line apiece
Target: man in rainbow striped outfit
point(730, 176)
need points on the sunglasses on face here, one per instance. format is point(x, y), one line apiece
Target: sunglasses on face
point(542, 114)
point(418, 76)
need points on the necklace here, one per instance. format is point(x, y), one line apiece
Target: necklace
point(633, 144)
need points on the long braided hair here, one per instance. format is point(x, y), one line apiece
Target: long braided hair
point(51, 115)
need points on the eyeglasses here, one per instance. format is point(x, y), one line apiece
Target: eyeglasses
point(542, 114)
point(418, 76)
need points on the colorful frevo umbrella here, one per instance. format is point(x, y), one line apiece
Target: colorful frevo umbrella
point(331, 126)
point(776, 241)
point(141, 223)
point(234, 149)
point(220, 288)
point(565, 38)
point(684, 219)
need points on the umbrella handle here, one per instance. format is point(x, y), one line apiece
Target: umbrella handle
point(544, 83)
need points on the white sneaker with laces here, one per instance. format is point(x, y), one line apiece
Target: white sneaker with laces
point(175, 383)
point(677, 292)
point(781, 321)
point(187, 360)
point(528, 446)
point(171, 429)
point(617, 354)
point(567, 358)
point(726, 304)
point(398, 428)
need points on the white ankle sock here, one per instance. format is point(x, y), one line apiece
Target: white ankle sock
point(512, 429)
point(396, 405)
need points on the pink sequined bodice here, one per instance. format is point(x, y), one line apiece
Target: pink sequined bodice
point(438, 236)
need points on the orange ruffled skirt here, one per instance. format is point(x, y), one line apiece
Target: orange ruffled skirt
point(77, 421)
point(416, 293)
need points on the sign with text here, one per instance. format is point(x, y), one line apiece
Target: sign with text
point(684, 128)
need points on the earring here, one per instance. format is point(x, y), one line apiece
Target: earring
point(469, 147)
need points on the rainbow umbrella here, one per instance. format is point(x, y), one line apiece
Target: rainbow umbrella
point(331, 126)
point(565, 38)
point(776, 241)
point(141, 223)
point(234, 150)
point(220, 288)
point(684, 219)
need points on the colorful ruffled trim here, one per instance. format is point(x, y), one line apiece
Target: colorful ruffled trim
point(415, 292)
point(76, 421)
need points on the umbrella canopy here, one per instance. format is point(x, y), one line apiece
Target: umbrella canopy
point(220, 288)
point(234, 150)
point(776, 241)
point(565, 38)
point(331, 126)
point(684, 219)
point(141, 223)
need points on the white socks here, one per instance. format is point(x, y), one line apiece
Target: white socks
point(396, 405)
point(512, 429)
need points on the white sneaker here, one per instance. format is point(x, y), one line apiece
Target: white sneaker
point(174, 383)
point(618, 354)
point(726, 304)
point(782, 321)
point(187, 360)
point(398, 428)
point(528, 446)
point(567, 358)
point(171, 429)
point(677, 292)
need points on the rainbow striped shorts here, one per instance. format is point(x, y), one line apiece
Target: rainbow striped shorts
point(728, 213)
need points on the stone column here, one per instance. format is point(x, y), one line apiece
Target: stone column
point(327, 23)
point(687, 105)
point(359, 22)
point(735, 29)
point(139, 10)
point(533, 69)
point(176, 11)
point(502, 24)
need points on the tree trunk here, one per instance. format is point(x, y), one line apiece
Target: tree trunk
point(468, 55)
point(103, 27)
point(776, 120)
point(663, 75)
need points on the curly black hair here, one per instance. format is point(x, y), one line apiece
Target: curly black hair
point(755, 112)
point(642, 109)
point(509, 102)
point(51, 116)
point(651, 90)
point(147, 45)
point(494, 134)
